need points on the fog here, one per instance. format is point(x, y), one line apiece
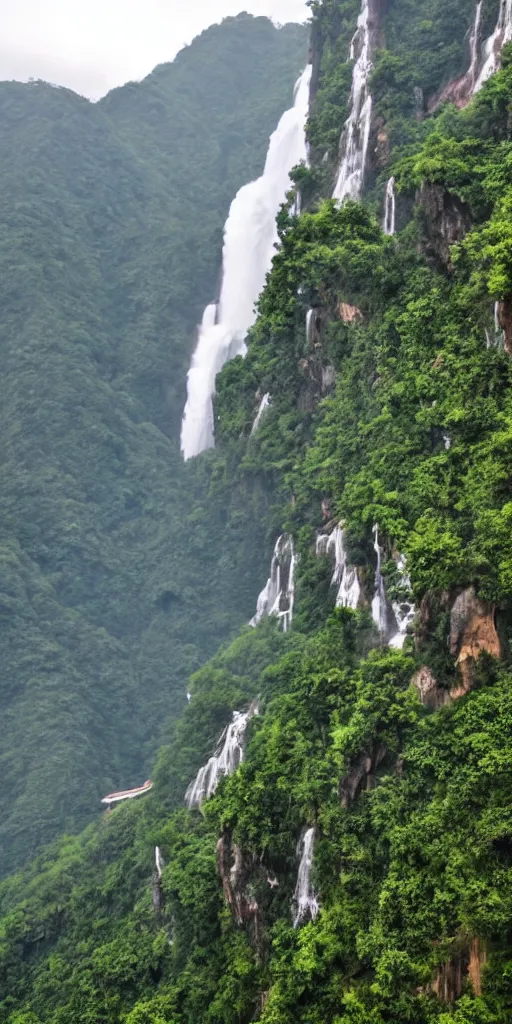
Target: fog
point(92, 45)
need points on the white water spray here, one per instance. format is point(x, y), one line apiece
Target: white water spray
point(264, 404)
point(474, 45)
point(159, 861)
point(344, 577)
point(356, 133)
point(250, 237)
point(388, 225)
point(229, 754)
point(379, 603)
point(494, 44)
point(278, 595)
point(304, 898)
point(310, 323)
point(404, 611)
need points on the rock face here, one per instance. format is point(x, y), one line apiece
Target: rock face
point(431, 694)
point(465, 962)
point(350, 314)
point(505, 322)
point(445, 221)
point(459, 91)
point(234, 871)
point(449, 979)
point(477, 960)
point(472, 632)
point(361, 772)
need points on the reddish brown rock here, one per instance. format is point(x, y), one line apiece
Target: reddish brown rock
point(349, 314)
point(449, 979)
point(466, 961)
point(477, 960)
point(472, 633)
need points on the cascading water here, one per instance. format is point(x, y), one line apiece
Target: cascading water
point(278, 595)
point(388, 225)
point(310, 322)
point(344, 577)
point(250, 237)
point(474, 42)
point(404, 611)
point(159, 862)
point(494, 44)
point(305, 901)
point(356, 133)
point(230, 753)
point(264, 404)
point(379, 603)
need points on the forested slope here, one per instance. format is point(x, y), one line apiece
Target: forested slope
point(356, 867)
point(119, 575)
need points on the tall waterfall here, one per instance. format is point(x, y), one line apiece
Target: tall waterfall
point(278, 595)
point(304, 898)
point(344, 577)
point(356, 133)
point(474, 44)
point(494, 44)
point(229, 754)
point(388, 225)
point(380, 602)
point(250, 237)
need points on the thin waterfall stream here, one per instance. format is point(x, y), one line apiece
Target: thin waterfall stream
point(356, 133)
point(388, 225)
point(494, 44)
point(305, 900)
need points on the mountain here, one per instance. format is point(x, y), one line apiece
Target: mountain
point(328, 839)
point(121, 574)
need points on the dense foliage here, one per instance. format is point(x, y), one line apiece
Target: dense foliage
point(120, 573)
point(411, 428)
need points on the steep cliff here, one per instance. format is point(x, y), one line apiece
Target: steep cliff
point(120, 572)
point(353, 861)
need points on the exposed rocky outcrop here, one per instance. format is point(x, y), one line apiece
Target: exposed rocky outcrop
point(432, 604)
point(445, 221)
point(465, 962)
point(361, 772)
point(381, 148)
point(448, 981)
point(234, 870)
point(505, 322)
point(459, 91)
point(349, 314)
point(477, 960)
point(472, 633)
point(431, 694)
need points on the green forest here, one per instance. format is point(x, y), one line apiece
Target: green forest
point(353, 863)
point(117, 568)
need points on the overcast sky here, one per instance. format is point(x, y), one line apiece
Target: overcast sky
point(93, 45)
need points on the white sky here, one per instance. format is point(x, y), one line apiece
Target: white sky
point(93, 45)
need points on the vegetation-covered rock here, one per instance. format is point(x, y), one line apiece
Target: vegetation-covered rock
point(398, 758)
